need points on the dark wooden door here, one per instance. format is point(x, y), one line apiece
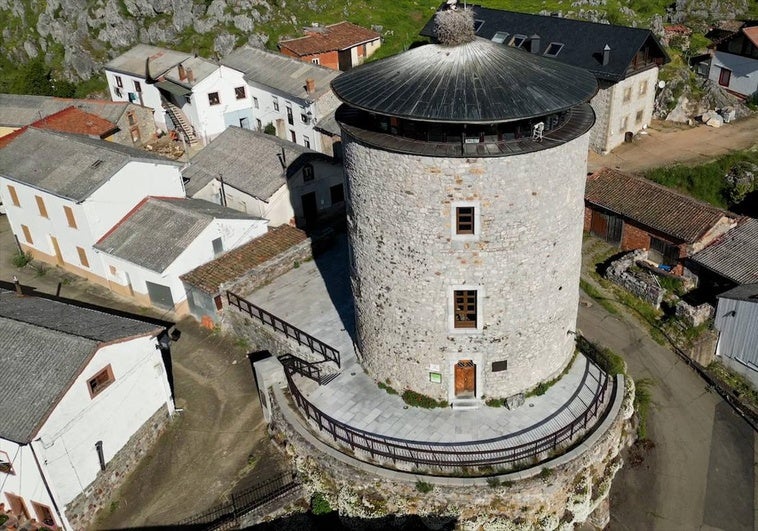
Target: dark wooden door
point(310, 209)
point(465, 379)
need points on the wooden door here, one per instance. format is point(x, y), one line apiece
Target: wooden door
point(465, 379)
point(57, 250)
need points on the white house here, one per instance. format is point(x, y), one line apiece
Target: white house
point(734, 64)
point(291, 95)
point(85, 393)
point(195, 96)
point(59, 204)
point(163, 238)
point(267, 177)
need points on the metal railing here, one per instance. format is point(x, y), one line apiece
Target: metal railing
point(493, 451)
point(300, 366)
point(280, 325)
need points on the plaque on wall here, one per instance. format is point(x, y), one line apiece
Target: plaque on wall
point(498, 366)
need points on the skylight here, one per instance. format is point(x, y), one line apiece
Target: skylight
point(553, 49)
point(478, 24)
point(500, 37)
point(518, 40)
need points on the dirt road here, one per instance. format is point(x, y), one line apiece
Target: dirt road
point(666, 143)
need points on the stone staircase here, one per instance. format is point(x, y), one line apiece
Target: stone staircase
point(181, 122)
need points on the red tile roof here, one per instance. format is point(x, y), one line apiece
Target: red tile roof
point(752, 34)
point(340, 36)
point(232, 265)
point(68, 120)
point(652, 205)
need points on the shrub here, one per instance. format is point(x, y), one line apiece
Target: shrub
point(387, 388)
point(493, 482)
point(546, 473)
point(495, 402)
point(269, 129)
point(424, 487)
point(319, 504)
point(21, 259)
point(412, 398)
point(642, 401)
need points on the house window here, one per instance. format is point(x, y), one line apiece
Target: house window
point(643, 88)
point(290, 119)
point(306, 141)
point(118, 92)
point(18, 507)
point(137, 86)
point(624, 123)
point(135, 134)
point(27, 234)
point(41, 206)
point(6, 467)
point(275, 100)
point(553, 49)
point(255, 103)
point(293, 136)
point(627, 94)
point(188, 99)
point(464, 220)
point(478, 25)
point(100, 381)
point(725, 77)
point(303, 117)
point(465, 307)
point(113, 270)
point(218, 246)
point(119, 82)
point(307, 173)
point(316, 61)
point(213, 98)
point(82, 256)
point(14, 195)
point(239, 93)
point(518, 40)
point(500, 37)
point(70, 216)
point(338, 193)
point(638, 117)
point(44, 514)
point(258, 125)
point(130, 118)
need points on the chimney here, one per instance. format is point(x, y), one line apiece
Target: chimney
point(606, 55)
point(190, 75)
point(534, 43)
point(310, 85)
point(182, 72)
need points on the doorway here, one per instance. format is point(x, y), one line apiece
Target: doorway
point(465, 379)
point(310, 209)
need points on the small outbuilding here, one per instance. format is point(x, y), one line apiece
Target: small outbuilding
point(736, 319)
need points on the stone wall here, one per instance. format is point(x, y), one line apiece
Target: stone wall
point(524, 261)
point(82, 509)
point(618, 273)
point(694, 315)
point(554, 495)
point(601, 105)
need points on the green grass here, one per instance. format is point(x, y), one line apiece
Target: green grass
point(741, 386)
point(611, 362)
point(642, 402)
point(424, 487)
point(595, 294)
point(20, 259)
point(319, 504)
point(388, 389)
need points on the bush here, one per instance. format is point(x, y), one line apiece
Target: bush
point(610, 362)
point(495, 402)
point(319, 504)
point(546, 474)
point(269, 129)
point(424, 487)
point(387, 388)
point(412, 398)
point(642, 401)
point(21, 259)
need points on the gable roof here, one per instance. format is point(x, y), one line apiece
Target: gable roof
point(745, 292)
point(17, 110)
point(734, 255)
point(46, 345)
point(278, 73)
point(334, 37)
point(232, 265)
point(73, 166)
point(164, 65)
point(583, 41)
point(158, 230)
point(247, 160)
point(651, 204)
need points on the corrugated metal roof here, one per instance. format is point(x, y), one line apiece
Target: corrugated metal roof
point(155, 233)
point(247, 160)
point(476, 82)
point(237, 262)
point(583, 41)
point(73, 166)
point(745, 292)
point(280, 73)
point(333, 37)
point(45, 345)
point(651, 204)
point(734, 255)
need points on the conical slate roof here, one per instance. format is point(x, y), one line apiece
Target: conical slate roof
point(477, 82)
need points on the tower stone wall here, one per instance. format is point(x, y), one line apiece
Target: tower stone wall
point(523, 260)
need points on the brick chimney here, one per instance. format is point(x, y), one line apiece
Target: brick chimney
point(182, 72)
point(190, 75)
point(310, 85)
point(534, 43)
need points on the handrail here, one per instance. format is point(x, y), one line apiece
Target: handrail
point(300, 366)
point(280, 325)
point(450, 454)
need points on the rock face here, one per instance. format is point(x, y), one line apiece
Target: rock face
point(82, 35)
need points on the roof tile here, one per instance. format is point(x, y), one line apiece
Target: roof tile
point(334, 37)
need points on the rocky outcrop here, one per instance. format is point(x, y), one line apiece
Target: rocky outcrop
point(79, 36)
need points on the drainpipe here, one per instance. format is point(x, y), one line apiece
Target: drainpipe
point(223, 190)
point(47, 487)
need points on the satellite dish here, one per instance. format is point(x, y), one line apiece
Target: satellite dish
point(661, 84)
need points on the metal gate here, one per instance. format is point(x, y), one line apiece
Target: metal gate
point(160, 295)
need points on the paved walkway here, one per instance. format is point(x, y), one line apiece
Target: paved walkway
point(316, 298)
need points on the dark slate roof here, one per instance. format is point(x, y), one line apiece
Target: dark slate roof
point(476, 82)
point(583, 41)
point(745, 292)
point(69, 167)
point(158, 230)
point(734, 255)
point(45, 346)
point(237, 262)
point(279, 73)
point(651, 204)
point(247, 160)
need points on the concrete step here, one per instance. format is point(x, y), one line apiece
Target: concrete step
point(467, 403)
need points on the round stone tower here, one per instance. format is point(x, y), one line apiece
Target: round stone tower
point(465, 168)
